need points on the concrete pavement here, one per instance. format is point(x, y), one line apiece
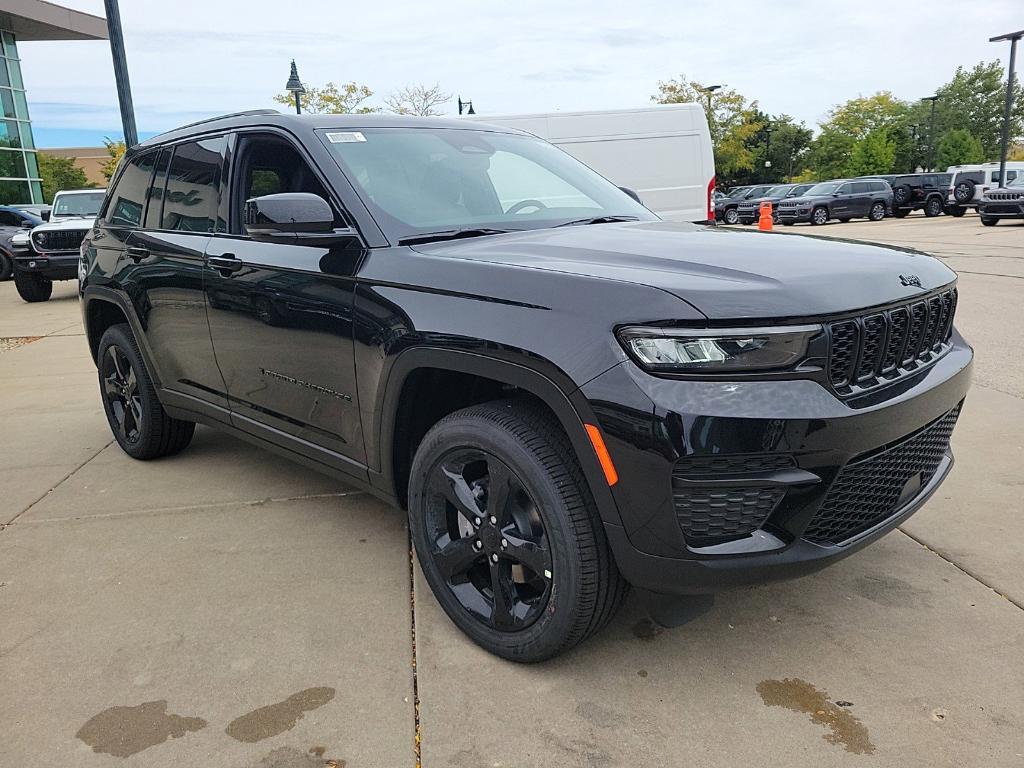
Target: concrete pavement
point(226, 608)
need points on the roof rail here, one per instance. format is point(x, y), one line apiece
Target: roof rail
point(246, 113)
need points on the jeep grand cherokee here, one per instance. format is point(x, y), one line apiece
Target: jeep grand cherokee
point(566, 394)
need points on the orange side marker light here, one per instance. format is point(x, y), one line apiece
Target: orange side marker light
point(602, 454)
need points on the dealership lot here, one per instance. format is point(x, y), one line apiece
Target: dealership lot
point(226, 608)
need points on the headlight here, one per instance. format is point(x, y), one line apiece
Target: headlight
point(714, 350)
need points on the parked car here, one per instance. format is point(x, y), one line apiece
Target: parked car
point(916, 192)
point(1003, 203)
point(12, 221)
point(40, 211)
point(727, 210)
point(843, 199)
point(50, 252)
point(565, 393)
point(749, 210)
point(663, 153)
point(970, 182)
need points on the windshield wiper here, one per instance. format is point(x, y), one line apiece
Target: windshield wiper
point(598, 220)
point(451, 234)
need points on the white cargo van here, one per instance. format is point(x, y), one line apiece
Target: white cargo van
point(662, 153)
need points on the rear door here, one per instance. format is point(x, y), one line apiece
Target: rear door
point(860, 198)
point(842, 203)
point(165, 260)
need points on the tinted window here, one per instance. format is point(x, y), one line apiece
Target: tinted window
point(859, 187)
point(192, 193)
point(10, 219)
point(128, 198)
point(928, 181)
point(154, 213)
point(878, 186)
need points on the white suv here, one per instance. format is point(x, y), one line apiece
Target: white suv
point(969, 182)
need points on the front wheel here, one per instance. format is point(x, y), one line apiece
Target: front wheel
point(6, 266)
point(933, 208)
point(877, 212)
point(731, 216)
point(988, 221)
point(956, 210)
point(507, 533)
point(820, 216)
point(140, 425)
point(32, 287)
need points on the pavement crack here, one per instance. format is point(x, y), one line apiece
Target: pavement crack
point(63, 480)
point(942, 556)
point(417, 738)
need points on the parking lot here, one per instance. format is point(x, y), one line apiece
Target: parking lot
point(226, 608)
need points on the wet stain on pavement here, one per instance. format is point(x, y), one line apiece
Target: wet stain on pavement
point(275, 719)
point(647, 629)
point(800, 696)
point(126, 731)
point(290, 757)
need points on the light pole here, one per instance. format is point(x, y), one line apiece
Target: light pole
point(124, 88)
point(913, 147)
point(466, 105)
point(294, 87)
point(931, 132)
point(1013, 37)
point(767, 151)
point(708, 91)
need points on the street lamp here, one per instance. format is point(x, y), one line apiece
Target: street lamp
point(913, 147)
point(294, 87)
point(767, 151)
point(1013, 37)
point(708, 91)
point(466, 105)
point(931, 132)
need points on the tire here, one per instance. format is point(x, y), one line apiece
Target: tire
point(32, 287)
point(988, 221)
point(877, 212)
point(6, 266)
point(956, 210)
point(138, 421)
point(547, 503)
point(933, 208)
point(788, 223)
point(731, 216)
point(900, 194)
point(819, 216)
point(963, 192)
point(844, 221)
point(900, 213)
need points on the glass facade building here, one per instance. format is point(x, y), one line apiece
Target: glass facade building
point(19, 167)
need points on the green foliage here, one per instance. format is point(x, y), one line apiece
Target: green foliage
point(115, 148)
point(957, 148)
point(973, 101)
point(332, 99)
point(873, 154)
point(59, 173)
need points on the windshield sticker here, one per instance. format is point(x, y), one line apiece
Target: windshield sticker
point(345, 137)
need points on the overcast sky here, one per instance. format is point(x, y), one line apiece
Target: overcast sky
point(190, 59)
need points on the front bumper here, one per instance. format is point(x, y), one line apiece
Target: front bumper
point(793, 215)
point(1002, 209)
point(54, 266)
point(658, 424)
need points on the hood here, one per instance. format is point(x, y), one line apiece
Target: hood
point(727, 274)
point(62, 224)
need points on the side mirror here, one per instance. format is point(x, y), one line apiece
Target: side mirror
point(296, 217)
point(26, 224)
point(44, 215)
point(632, 194)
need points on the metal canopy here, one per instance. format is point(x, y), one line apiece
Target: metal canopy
point(37, 20)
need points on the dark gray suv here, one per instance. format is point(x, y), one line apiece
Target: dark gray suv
point(841, 199)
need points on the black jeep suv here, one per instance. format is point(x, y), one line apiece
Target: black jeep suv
point(727, 207)
point(840, 199)
point(566, 394)
point(917, 191)
point(749, 209)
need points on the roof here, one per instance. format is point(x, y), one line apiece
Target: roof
point(300, 124)
point(39, 20)
point(101, 190)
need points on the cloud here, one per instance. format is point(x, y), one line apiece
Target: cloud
point(566, 74)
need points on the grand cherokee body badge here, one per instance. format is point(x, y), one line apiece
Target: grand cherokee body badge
point(909, 280)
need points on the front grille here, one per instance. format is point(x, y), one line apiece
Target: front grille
point(732, 464)
point(883, 346)
point(58, 240)
point(711, 515)
point(870, 489)
point(1014, 209)
point(1004, 196)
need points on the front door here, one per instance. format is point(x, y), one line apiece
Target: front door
point(281, 315)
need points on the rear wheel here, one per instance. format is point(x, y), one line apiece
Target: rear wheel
point(731, 216)
point(900, 213)
point(877, 212)
point(32, 286)
point(989, 221)
point(819, 216)
point(933, 207)
point(955, 210)
point(507, 533)
point(140, 425)
point(6, 266)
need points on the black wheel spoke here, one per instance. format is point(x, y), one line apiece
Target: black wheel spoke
point(502, 613)
point(131, 382)
point(111, 388)
point(528, 553)
point(499, 489)
point(457, 556)
point(461, 496)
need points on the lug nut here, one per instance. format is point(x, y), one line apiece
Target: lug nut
point(494, 558)
point(494, 520)
point(504, 543)
point(478, 545)
point(476, 521)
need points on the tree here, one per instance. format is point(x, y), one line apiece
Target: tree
point(957, 148)
point(417, 100)
point(332, 99)
point(973, 101)
point(115, 148)
point(59, 173)
point(874, 154)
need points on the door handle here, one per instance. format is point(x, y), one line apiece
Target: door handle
point(225, 263)
point(137, 253)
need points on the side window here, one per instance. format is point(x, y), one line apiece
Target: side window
point(9, 219)
point(268, 165)
point(1011, 175)
point(154, 213)
point(860, 187)
point(876, 186)
point(192, 193)
point(128, 197)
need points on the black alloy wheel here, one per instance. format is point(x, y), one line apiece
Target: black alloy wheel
point(122, 396)
point(933, 208)
point(488, 539)
point(877, 212)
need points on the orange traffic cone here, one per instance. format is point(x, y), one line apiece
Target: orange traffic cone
point(764, 222)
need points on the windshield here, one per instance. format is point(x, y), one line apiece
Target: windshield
point(1018, 182)
point(799, 190)
point(827, 188)
point(738, 192)
point(424, 180)
point(757, 192)
point(81, 204)
point(776, 193)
